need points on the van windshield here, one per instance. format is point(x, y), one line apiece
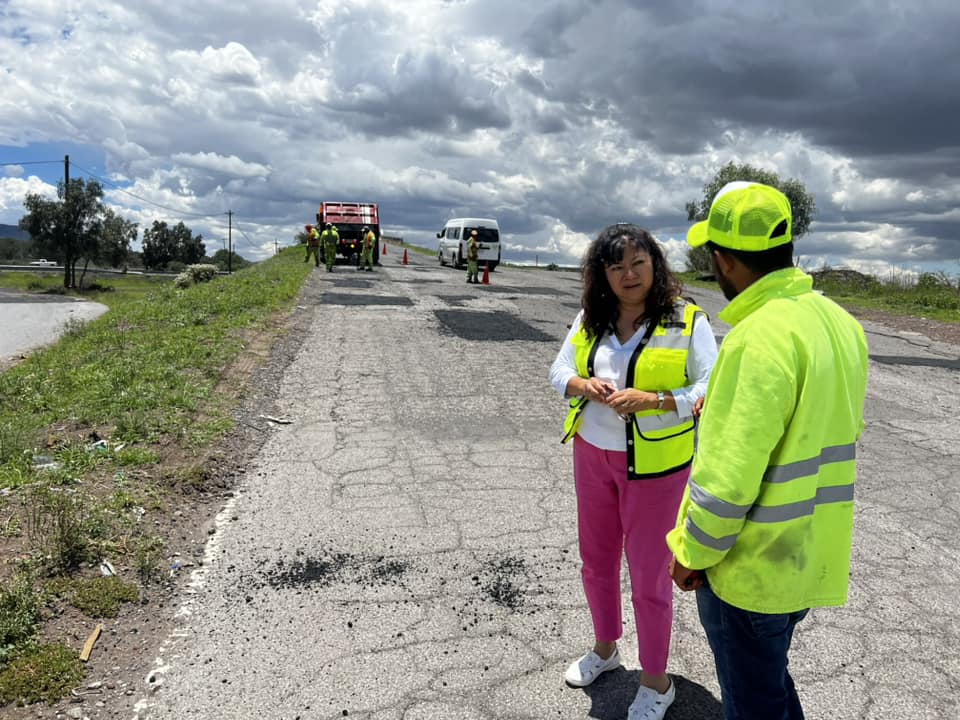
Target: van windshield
point(484, 235)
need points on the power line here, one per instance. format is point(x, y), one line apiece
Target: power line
point(32, 162)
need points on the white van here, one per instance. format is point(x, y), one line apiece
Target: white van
point(453, 241)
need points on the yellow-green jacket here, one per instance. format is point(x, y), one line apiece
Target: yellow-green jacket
point(659, 442)
point(768, 510)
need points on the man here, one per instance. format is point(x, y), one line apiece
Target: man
point(330, 238)
point(473, 257)
point(764, 530)
point(369, 242)
point(313, 245)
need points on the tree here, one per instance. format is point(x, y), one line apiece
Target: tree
point(220, 258)
point(159, 247)
point(116, 238)
point(69, 228)
point(190, 249)
point(163, 245)
point(801, 202)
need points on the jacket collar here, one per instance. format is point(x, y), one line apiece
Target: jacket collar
point(788, 282)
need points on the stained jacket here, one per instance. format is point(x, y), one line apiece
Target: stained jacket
point(768, 510)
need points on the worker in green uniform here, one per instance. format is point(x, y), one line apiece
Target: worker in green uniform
point(330, 238)
point(369, 242)
point(313, 244)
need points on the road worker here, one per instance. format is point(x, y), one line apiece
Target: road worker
point(331, 239)
point(313, 244)
point(473, 257)
point(369, 242)
point(765, 526)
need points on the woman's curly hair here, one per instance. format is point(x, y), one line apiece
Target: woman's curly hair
point(601, 308)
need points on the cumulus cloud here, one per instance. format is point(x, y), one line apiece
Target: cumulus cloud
point(556, 117)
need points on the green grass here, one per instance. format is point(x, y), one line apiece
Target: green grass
point(145, 368)
point(935, 297)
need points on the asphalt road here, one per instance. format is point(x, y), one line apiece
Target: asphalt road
point(29, 321)
point(406, 547)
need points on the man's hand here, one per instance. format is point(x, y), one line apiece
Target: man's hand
point(697, 407)
point(685, 578)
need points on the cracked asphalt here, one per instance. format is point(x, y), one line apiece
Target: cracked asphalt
point(406, 547)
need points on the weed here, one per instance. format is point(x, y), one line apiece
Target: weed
point(56, 526)
point(19, 614)
point(41, 673)
point(98, 597)
point(149, 558)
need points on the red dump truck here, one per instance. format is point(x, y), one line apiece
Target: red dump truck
point(350, 218)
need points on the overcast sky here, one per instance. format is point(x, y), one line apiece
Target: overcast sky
point(557, 118)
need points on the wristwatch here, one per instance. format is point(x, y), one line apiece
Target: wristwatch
point(660, 399)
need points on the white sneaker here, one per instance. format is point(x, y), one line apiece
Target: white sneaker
point(651, 705)
point(586, 669)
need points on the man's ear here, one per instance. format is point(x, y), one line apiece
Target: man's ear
point(724, 261)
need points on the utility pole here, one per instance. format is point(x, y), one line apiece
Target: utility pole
point(276, 246)
point(229, 214)
point(66, 174)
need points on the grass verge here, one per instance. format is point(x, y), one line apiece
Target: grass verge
point(84, 427)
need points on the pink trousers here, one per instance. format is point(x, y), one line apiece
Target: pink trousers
point(614, 514)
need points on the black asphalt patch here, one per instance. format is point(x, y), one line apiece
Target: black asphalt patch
point(352, 283)
point(524, 290)
point(332, 298)
point(489, 326)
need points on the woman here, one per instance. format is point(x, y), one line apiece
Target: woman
point(635, 361)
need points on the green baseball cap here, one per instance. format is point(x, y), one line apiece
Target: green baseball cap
point(745, 216)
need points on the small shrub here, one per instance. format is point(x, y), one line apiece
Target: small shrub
point(553, 267)
point(42, 673)
point(19, 614)
point(98, 597)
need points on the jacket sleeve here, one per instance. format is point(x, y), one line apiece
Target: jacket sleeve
point(746, 409)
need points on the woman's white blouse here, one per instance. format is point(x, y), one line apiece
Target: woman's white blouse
point(601, 426)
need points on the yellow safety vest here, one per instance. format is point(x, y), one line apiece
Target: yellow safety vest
point(768, 510)
point(659, 442)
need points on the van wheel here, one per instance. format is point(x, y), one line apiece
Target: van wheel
point(440, 257)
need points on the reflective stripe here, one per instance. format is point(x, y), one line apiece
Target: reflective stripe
point(672, 340)
point(714, 505)
point(722, 544)
point(805, 468)
point(782, 513)
point(759, 513)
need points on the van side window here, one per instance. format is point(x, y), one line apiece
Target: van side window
point(456, 233)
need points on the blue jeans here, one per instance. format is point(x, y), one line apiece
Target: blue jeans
point(750, 651)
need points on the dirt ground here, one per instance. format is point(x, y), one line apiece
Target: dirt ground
point(125, 652)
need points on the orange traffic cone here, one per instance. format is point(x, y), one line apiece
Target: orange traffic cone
point(384, 249)
point(404, 256)
point(486, 274)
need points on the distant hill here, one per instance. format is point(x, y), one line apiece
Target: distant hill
point(12, 231)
